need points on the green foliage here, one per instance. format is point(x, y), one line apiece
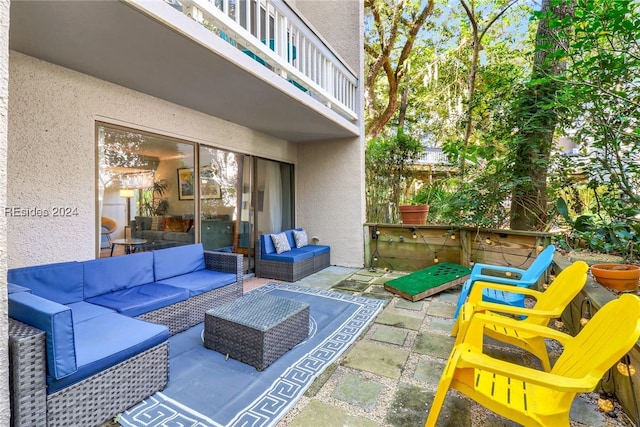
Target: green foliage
point(152, 202)
point(599, 103)
point(389, 175)
point(618, 234)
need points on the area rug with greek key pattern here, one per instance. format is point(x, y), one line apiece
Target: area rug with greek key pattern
point(207, 389)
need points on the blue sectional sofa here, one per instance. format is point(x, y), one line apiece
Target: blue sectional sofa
point(293, 264)
point(90, 339)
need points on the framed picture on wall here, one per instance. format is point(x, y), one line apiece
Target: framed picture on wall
point(209, 189)
point(185, 184)
point(209, 186)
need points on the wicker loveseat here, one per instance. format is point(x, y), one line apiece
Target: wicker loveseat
point(90, 339)
point(291, 265)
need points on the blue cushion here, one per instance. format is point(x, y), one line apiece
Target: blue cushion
point(13, 288)
point(266, 244)
point(201, 281)
point(83, 311)
point(60, 282)
point(291, 238)
point(316, 249)
point(104, 341)
point(106, 275)
point(141, 299)
point(56, 321)
point(179, 260)
point(294, 255)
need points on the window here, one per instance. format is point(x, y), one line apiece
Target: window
point(139, 187)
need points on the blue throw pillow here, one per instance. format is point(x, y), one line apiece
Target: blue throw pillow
point(280, 242)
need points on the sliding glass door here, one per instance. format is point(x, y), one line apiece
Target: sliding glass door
point(145, 187)
point(169, 192)
point(241, 198)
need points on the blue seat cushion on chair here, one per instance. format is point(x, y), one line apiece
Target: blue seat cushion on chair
point(200, 281)
point(294, 255)
point(13, 288)
point(104, 341)
point(83, 311)
point(177, 261)
point(316, 249)
point(56, 320)
point(141, 299)
point(60, 282)
point(105, 275)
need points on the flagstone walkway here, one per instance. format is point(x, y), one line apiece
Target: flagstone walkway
point(389, 377)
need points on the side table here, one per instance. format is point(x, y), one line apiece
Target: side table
point(256, 329)
point(130, 245)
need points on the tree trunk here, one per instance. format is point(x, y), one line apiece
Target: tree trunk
point(529, 198)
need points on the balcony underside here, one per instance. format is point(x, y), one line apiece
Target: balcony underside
point(151, 48)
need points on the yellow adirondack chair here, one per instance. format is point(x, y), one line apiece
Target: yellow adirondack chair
point(549, 304)
point(529, 396)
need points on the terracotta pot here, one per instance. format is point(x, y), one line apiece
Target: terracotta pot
point(620, 277)
point(414, 214)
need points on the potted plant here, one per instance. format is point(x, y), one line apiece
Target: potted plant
point(619, 277)
point(417, 207)
point(152, 202)
point(414, 214)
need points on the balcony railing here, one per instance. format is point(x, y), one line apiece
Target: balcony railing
point(433, 156)
point(272, 34)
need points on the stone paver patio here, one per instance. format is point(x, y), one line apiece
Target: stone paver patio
point(389, 377)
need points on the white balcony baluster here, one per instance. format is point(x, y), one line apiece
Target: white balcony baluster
point(276, 37)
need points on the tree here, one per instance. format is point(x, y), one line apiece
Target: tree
point(536, 119)
point(477, 35)
point(391, 32)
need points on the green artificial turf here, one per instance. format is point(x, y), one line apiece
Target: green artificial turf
point(429, 278)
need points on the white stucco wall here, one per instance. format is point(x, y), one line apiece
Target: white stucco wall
point(329, 198)
point(52, 115)
point(340, 24)
point(4, 102)
point(330, 194)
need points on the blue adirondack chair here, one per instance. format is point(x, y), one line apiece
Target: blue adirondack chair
point(528, 278)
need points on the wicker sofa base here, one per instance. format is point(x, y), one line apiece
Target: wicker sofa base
point(87, 403)
point(106, 394)
point(289, 271)
point(27, 372)
point(286, 271)
point(321, 261)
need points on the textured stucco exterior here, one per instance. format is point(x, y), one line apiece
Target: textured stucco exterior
point(340, 23)
point(52, 151)
point(331, 191)
point(4, 105)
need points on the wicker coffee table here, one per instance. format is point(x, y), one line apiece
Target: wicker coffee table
point(256, 329)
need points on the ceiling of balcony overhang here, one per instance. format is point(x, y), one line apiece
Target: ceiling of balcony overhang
point(116, 42)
